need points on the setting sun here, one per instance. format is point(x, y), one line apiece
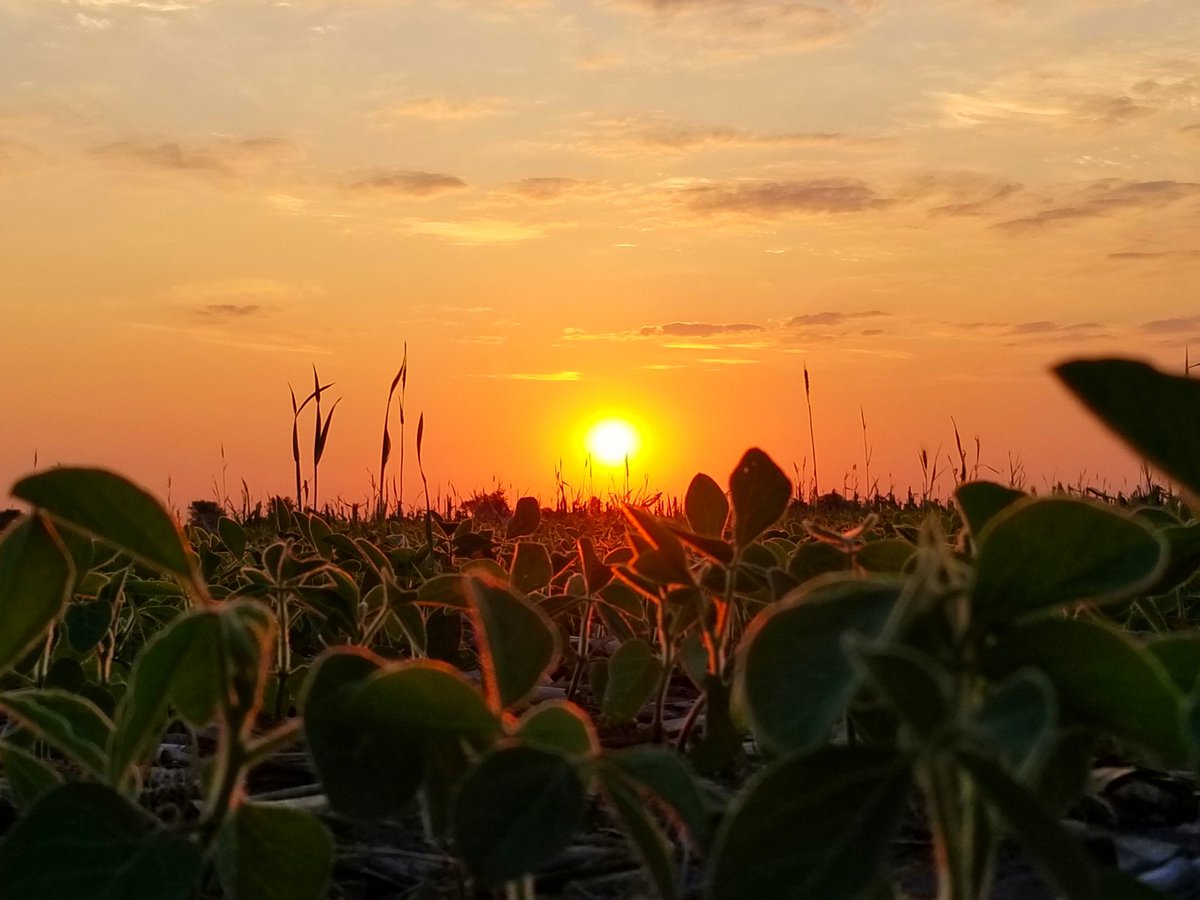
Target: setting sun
point(612, 441)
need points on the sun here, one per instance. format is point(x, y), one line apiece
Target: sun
point(612, 441)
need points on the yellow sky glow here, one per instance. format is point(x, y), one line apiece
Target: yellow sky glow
point(574, 208)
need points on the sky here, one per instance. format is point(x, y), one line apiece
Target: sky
point(662, 210)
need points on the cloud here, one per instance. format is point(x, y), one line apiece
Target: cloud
point(229, 310)
point(734, 29)
point(773, 198)
point(539, 376)
point(830, 318)
point(1140, 255)
point(631, 136)
point(440, 109)
point(224, 158)
point(548, 188)
point(959, 193)
point(1171, 326)
point(1103, 198)
point(477, 231)
point(696, 329)
point(408, 183)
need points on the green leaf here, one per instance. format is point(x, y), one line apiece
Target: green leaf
point(980, 501)
point(1156, 414)
point(85, 842)
point(517, 809)
point(109, 507)
point(810, 827)
point(885, 557)
point(1183, 552)
point(67, 722)
point(813, 558)
point(1103, 679)
point(359, 779)
point(634, 672)
point(665, 776)
point(526, 517)
point(1055, 853)
point(1040, 553)
point(179, 665)
point(28, 776)
point(87, 623)
point(35, 580)
point(232, 535)
point(558, 725)
point(707, 507)
point(792, 673)
point(1179, 654)
point(531, 567)
point(1018, 718)
point(644, 833)
point(274, 853)
point(518, 642)
point(761, 493)
point(907, 681)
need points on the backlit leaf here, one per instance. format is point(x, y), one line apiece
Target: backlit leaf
point(793, 673)
point(1040, 553)
point(810, 827)
point(274, 853)
point(706, 506)
point(115, 510)
point(35, 580)
point(761, 493)
point(1156, 414)
point(84, 841)
point(517, 809)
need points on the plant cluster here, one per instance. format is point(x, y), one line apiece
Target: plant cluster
point(963, 672)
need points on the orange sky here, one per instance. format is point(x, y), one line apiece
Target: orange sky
point(575, 208)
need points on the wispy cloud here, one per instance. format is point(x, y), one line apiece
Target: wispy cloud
point(223, 158)
point(697, 329)
point(407, 183)
point(549, 187)
point(624, 136)
point(439, 109)
point(1104, 198)
point(229, 310)
point(538, 376)
point(774, 198)
point(1172, 326)
point(477, 231)
point(829, 318)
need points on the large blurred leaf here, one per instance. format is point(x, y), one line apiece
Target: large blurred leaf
point(1045, 552)
point(761, 493)
point(639, 824)
point(810, 827)
point(1058, 856)
point(1017, 719)
point(634, 671)
point(792, 671)
point(911, 684)
point(109, 507)
point(1103, 679)
point(84, 841)
point(67, 722)
point(1179, 654)
point(706, 506)
point(28, 776)
point(1157, 414)
point(35, 580)
point(274, 853)
point(516, 810)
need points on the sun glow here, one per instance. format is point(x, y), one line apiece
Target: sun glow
point(612, 441)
